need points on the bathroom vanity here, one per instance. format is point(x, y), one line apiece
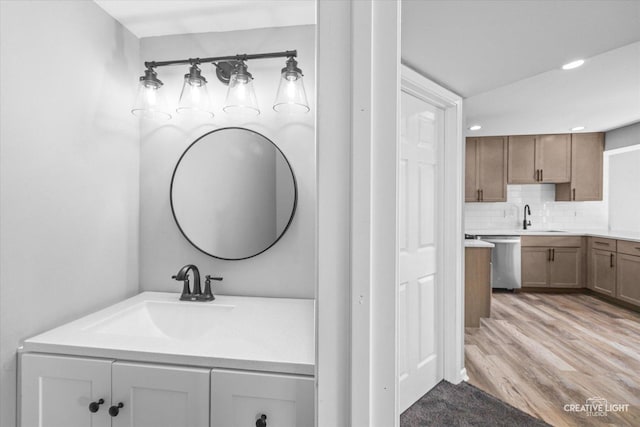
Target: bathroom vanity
point(153, 360)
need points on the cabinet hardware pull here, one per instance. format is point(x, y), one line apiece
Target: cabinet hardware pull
point(574, 194)
point(549, 254)
point(611, 261)
point(537, 174)
point(478, 195)
point(94, 406)
point(553, 255)
point(262, 421)
point(482, 195)
point(115, 410)
point(541, 174)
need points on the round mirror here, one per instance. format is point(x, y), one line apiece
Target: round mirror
point(233, 193)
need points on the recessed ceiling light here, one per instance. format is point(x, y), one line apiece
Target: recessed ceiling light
point(577, 128)
point(573, 64)
point(475, 127)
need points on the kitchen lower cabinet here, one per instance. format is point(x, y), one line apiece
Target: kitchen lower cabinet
point(565, 268)
point(57, 391)
point(552, 262)
point(240, 399)
point(159, 396)
point(535, 266)
point(628, 280)
point(603, 272)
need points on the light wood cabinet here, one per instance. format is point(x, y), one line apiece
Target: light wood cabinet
point(586, 169)
point(603, 272)
point(57, 391)
point(477, 285)
point(486, 169)
point(239, 399)
point(536, 159)
point(535, 266)
point(552, 262)
point(628, 278)
point(160, 396)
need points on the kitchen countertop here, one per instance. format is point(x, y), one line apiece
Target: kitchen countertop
point(475, 243)
point(621, 235)
point(248, 333)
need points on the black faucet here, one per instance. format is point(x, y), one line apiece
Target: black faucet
point(526, 223)
point(197, 294)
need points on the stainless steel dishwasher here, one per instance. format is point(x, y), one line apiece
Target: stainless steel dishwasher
point(505, 261)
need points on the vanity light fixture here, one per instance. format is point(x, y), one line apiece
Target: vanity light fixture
point(194, 97)
point(291, 96)
point(573, 64)
point(230, 70)
point(475, 127)
point(150, 102)
point(577, 128)
point(241, 97)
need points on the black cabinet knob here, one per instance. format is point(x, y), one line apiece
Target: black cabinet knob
point(262, 421)
point(115, 410)
point(94, 406)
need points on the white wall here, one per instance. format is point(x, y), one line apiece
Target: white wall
point(69, 171)
point(286, 269)
point(624, 195)
point(546, 213)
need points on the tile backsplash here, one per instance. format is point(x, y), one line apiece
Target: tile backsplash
point(546, 213)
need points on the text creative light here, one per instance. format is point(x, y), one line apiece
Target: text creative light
point(230, 70)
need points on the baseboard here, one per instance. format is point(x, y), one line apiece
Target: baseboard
point(551, 290)
point(463, 374)
point(584, 291)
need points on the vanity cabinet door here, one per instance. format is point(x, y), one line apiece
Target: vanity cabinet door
point(160, 396)
point(239, 399)
point(57, 391)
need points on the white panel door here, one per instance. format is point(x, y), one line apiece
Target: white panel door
point(57, 391)
point(159, 396)
point(239, 399)
point(420, 361)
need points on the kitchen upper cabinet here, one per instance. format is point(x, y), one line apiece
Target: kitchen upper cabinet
point(59, 391)
point(534, 159)
point(160, 396)
point(553, 158)
point(521, 160)
point(240, 399)
point(586, 169)
point(486, 169)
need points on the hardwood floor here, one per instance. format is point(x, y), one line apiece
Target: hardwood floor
point(539, 352)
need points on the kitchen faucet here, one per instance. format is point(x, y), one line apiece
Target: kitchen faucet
point(197, 294)
point(526, 223)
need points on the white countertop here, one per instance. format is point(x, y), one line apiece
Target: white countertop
point(622, 235)
point(475, 243)
point(259, 334)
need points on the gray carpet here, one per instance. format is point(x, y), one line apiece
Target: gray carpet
point(464, 405)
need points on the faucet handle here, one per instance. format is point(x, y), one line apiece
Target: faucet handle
point(207, 294)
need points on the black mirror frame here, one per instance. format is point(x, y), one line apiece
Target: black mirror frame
point(295, 194)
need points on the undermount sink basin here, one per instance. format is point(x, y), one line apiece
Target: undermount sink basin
point(162, 319)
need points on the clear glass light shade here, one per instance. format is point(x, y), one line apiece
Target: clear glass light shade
point(194, 98)
point(150, 102)
point(291, 97)
point(241, 97)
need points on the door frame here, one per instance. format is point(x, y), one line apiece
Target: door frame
point(452, 242)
